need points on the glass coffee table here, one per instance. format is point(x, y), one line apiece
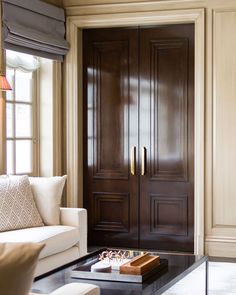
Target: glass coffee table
point(179, 266)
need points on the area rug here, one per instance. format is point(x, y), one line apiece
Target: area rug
point(222, 281)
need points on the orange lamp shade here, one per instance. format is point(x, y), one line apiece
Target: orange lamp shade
point(4, 84)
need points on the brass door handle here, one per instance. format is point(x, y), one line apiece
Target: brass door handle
point(133, 160)
point(143, 167)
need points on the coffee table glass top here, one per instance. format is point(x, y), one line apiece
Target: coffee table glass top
point(179, 265)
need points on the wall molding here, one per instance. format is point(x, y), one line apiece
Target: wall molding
point(96, 7)
point(74, 3)
point(220, 189)
point(221, 239)
point(74, 99)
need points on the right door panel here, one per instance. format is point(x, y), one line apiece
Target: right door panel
point(167, 137)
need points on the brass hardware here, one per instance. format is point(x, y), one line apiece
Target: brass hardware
point(143, 169)
point(133, 160)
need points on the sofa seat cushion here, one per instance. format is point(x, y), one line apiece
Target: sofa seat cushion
point(57, 238)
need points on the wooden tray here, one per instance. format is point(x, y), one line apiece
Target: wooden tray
point(140, 264)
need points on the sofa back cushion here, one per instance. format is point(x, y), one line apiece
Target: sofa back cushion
point(17, 205)
point(17, 265)
point(47, 193)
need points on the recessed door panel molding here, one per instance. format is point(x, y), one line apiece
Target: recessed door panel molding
point(167, 133)
point(111, 128)
point(169, 215)
point(111, 109)
point(111, 212)
point(169, 123)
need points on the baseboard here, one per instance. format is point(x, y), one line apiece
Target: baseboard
point(226, 248)
point(222, 259)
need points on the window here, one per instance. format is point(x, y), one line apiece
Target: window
point(33, 115)
point(21, 120)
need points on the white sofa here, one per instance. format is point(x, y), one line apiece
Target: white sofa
point(64, 243)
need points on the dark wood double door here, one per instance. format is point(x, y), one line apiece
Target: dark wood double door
point(139, 136)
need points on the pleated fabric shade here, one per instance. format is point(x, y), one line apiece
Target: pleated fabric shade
point(34, 27)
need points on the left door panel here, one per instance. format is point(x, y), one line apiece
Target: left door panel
point(111, 121)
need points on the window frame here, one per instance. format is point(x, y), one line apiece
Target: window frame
point(59, 165)
point(35, 123)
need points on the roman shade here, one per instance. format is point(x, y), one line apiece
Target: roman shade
point(34, 27)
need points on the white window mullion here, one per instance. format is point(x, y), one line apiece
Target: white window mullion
point(35, 122)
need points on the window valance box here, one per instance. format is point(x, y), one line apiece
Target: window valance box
point(34, 27)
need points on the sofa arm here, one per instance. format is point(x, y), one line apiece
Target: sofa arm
point(76, 217)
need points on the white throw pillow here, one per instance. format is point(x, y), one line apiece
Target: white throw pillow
point(17, 264)
point(47, 193)
point(17, 205)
